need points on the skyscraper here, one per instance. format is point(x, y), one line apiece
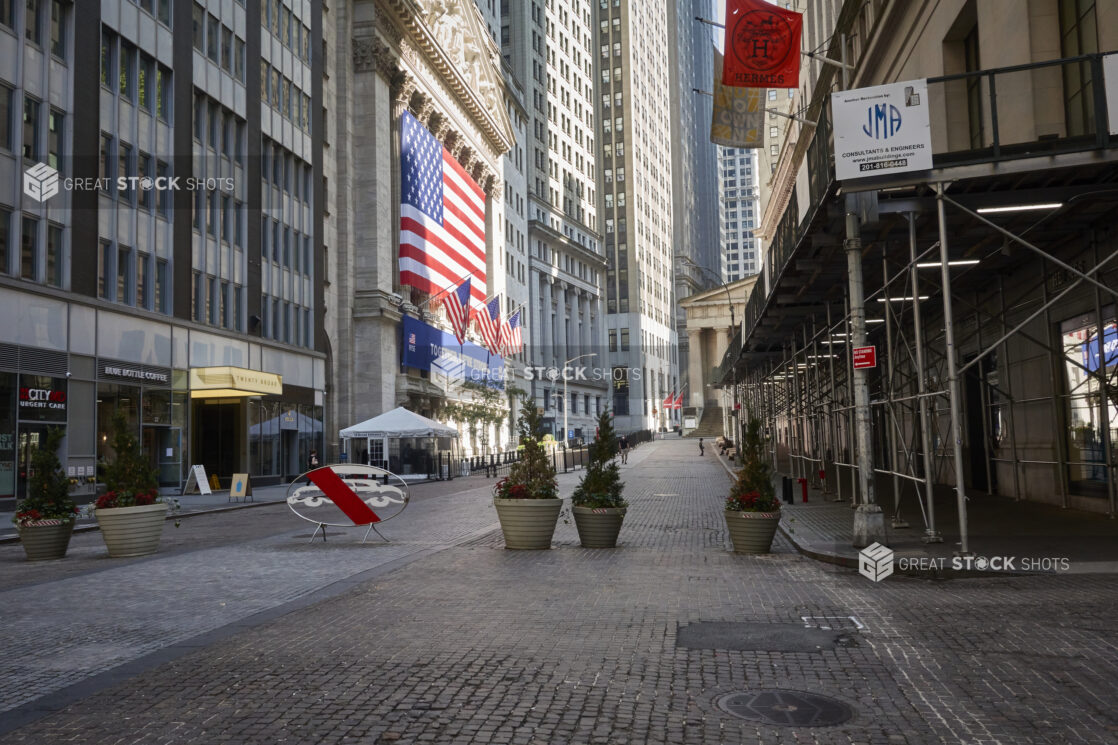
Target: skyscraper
point(740, 212)
point(695, 195)
point(174, 275)
point(634, 107)
point(546, 44)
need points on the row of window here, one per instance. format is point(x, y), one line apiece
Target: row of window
point(285, 97)
point(135, 75)
point(32, 146)
point(219, 128)
point(286, 322)
point(129, 276)
point(217, 302)
point(160, 9)
point(279, 19)
point(34, 21)
point(119, 160)
point(283, 170)
point(218, 42)
point(285, 246)
point(221, 216)
point(36, 261)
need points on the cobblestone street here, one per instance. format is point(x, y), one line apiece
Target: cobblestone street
point(443, 636)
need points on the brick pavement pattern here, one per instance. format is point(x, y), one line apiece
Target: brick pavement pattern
point(476, 644)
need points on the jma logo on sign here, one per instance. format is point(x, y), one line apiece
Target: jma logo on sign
point(883, 120)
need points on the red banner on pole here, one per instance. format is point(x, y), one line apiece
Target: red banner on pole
point(762, 45)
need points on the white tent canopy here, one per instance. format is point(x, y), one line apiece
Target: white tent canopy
point(399, 423)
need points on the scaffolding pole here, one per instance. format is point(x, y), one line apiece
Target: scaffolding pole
point(931, 535)
point(952, 374)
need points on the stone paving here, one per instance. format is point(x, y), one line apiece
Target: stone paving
point(476, 644)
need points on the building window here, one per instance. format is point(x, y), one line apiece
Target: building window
point(6, 97)
point(144, 170)
point(7, 13)
point(104, 266)
point(58, 29)
point(30, 239)
point(165, 12)
point(160, 298)
point(226, 49)
point(199, 27)
point(162, 170)
point(54, 139)
point(127, 56)
point(145, 75)
point(30, 129)
point(124, 280)
point(143, 266)
point(213, 32)
point(162, 92)
point(34, 21)
point(5, 228)
point(124, 170)
point(54, 255)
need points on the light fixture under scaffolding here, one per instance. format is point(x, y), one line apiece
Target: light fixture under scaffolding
point(900, 299)
point(1020, 208)
point(937, 265)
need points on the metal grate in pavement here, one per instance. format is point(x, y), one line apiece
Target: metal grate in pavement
point(786, 708)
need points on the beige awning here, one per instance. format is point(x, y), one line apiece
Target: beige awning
point(230, 382)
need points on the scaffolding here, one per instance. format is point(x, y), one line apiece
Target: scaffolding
point(997, 351)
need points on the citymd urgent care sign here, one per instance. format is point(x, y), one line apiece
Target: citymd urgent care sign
point(882, 130)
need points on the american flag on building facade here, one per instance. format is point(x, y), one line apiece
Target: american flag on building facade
point(442, 217)
point(511, 340)
point(489, 322)
point(457, 306)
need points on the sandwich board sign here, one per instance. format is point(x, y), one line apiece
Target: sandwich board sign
point(196, 480)
point(882, 130)
point(241, 486)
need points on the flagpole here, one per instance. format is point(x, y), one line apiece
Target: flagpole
point(446, 291)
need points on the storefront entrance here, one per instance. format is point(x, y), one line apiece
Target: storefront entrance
point(218, 426)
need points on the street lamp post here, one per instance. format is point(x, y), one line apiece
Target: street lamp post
point(566, 398)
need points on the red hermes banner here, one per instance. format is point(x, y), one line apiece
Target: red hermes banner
point(762, 45)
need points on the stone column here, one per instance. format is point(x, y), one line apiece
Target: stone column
point(695, 395)
point(587, 343)
point(547, 339)
point(562, 313)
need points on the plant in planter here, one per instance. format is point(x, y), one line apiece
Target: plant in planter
point(597, 503)
point(45, 517)
point(527, 500)
point(752, 509)
point(131, 512)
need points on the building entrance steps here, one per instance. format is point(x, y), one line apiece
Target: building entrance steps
point(998, 527)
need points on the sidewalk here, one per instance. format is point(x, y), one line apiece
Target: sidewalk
point(218, 501)
point(997, 527)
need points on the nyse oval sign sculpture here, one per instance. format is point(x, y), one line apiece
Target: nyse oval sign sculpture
point(346, 496)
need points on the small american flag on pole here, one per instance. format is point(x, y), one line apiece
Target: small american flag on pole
point(512, 341)
point(457, 305)
point(442, 217)
point(489, 321)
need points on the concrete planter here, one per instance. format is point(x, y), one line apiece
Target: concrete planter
point(528, 523)
point(132, 531)
point(752, 532)
point(598, 526)
point(44, 540)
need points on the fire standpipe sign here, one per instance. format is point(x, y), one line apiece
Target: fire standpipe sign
point(865, 357)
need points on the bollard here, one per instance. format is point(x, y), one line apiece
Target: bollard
point(803, 488)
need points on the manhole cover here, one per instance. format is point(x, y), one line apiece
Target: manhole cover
point(787, 708)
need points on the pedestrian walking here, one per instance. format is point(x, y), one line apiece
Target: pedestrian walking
point(312, 461)
point(623, 446)
point(701, 447)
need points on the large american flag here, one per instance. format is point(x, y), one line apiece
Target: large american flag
point(511, 340)
point(442, 217)
point(489, 321)
point(457, 306)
